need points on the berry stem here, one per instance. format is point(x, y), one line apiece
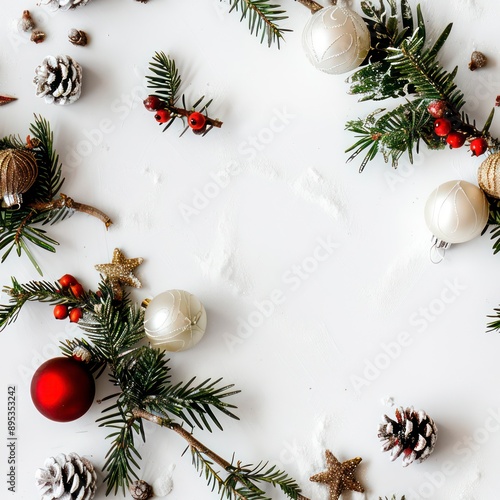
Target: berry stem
point(312, 5)
point(184, 112)
point(67, 202)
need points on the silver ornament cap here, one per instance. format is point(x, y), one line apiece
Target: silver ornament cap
point(456, 212)
point(336, 40)
point(175, 320)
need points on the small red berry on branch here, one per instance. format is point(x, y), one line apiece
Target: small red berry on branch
point(162, 116)
point(60, 311)
point(67, 280)
point(442, 127)
point(75, 314)
point(455, 139)
point(77, 290)
point(437, 108)
point(153, 103)
point(478, 146)
point(197, 121)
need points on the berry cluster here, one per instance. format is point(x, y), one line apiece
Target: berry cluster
point(443, 127)
point(197, 121)
point(69, 285)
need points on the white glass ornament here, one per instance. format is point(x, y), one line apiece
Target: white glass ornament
point(175, 320)
point(456, 212)
point(336, 40)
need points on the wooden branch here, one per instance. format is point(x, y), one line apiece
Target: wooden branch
point(67, 202)
point(191, 440)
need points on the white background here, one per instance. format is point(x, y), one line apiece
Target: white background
point(314, 375)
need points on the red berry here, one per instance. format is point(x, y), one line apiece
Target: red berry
point(75, 314)
point(153, 103)
point(478, 146)
point(61, 311)
point(77, 290)
point(455, 139)
point(162, 115)
point(437, 108)
point(67, 280)
point(442, 127)
point(196, 120)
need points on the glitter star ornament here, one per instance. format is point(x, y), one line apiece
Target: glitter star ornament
point(339, 476)
point(119, 272)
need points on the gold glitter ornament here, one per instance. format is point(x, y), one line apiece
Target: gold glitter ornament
point(119, 272)
point(488, 175)
point(18, 172)
point(339, 476)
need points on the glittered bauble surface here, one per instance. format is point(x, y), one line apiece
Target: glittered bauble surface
point(456, 212)
point(488, 175)
point(175, 320)
point(18, 172)
point(336, 40)
point(62, 389)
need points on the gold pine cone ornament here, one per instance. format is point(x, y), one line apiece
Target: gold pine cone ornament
point(18, 172)
point(488, 175)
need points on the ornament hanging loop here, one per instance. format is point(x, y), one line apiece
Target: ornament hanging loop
point(438, 249)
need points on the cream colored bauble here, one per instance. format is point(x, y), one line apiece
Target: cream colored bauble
point(175, 320)
point(456, 212)
point(336, 40)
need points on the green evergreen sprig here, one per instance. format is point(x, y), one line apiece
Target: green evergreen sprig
point(165, 82)
point(20, 226)
point(263, 18)
point(402, 64)
point(144, 391)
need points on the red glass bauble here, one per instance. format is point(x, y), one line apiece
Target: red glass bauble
point(62, 389)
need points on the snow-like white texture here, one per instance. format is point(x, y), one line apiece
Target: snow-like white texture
point(222, 263)
point(312, 187)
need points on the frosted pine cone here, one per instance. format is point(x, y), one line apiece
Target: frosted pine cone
point(63, 4)
point(67, 477)
point(140, 490)
point(58, 80)
point(412, 434)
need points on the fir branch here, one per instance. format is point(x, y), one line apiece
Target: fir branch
point(191, 403)
point(17, 226)
point(166, 80)
point(263, 18)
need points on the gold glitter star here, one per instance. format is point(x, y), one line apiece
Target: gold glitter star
point(119, 272)
point(339, 476)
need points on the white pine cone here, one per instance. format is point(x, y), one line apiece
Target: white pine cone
point(59, 80)
point(63, 4)
point(67, 477)
point(413, 434)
